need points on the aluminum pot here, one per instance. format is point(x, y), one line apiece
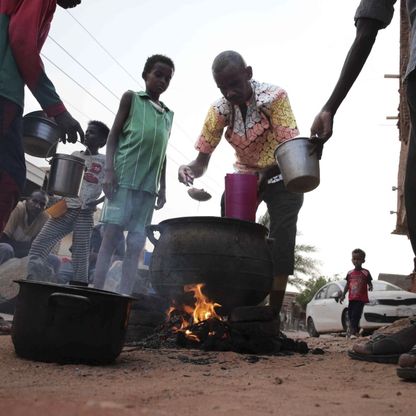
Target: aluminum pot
point(61, 323)
point(65, 175)
point(299, 168)
point(230, 256)
point(40, 134)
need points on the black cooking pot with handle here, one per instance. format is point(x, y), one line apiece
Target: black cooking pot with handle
point(61, 323)
point(231, 257)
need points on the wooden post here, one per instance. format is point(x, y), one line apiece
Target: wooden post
point(404, 120)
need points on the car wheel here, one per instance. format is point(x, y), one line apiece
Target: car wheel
point(311, 328)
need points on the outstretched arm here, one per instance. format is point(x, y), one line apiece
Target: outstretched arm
point(366, 34)
point(161, 195)
point(28, 28)
point(195, 169)
point(344, 293)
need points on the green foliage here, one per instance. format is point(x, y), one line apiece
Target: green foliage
point(311, 286)
point(265, 220)
point(306, 275)
point(305, 265)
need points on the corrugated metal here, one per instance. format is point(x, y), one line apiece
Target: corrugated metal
point(35, 173)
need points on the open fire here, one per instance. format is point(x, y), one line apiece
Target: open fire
point(193, 322)
point(190, 319)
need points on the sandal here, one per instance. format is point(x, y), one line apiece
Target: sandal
point(407, 363)
point(385, 348)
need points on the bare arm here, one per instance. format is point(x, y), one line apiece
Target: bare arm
point(110, 180)
point(195, 169)
point(366, 34)
point(346, 288)
point(161, 197)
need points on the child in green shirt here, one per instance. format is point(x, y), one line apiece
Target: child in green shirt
point(134, 182)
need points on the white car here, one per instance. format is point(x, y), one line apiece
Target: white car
point(324, 313)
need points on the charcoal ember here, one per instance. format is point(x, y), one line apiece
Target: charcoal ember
point(137, 333)
point(150, 303)
point(161, 337)
point(214, 343)
point(255, 345)
point(289, 344)
point(317, 351)
point(209, 335)
point(184, 342)
point(146, 318)
point(255, 329)
point(253, 313)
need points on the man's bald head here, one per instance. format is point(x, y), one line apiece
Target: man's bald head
point(228, 58)
point(232, 76)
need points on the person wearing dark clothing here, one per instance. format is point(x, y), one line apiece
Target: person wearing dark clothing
point(370, 17)
point(254, 117)
point(24, 26)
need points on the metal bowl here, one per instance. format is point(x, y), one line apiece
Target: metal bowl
point(40, 134)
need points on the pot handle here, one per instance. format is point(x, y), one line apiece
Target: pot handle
point(67, 300)
point(150, 230)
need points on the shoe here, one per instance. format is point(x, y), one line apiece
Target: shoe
point(407, 363)
point(385, 348)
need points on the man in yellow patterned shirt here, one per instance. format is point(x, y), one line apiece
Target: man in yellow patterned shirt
point(256, 117)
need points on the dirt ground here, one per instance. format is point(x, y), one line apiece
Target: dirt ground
point(190, 382)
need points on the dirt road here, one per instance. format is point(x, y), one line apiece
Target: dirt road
point(183, 382)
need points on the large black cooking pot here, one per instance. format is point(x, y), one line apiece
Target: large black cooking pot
point(61, 323)
point(230, 256)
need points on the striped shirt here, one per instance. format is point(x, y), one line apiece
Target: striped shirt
point(142, 144)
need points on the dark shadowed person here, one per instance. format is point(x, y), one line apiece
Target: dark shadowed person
point(24, 26)
point(24, 224)
point(370, 17)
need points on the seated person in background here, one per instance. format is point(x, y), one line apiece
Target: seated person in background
point(24, 224)
point(66, 272)
point(77, 215)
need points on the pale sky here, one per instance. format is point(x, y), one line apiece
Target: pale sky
point(299, 45)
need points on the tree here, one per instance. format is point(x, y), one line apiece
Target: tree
point(311, 286)
point(305, 266)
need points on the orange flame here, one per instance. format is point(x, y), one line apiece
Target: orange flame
point(201, 311)
point(204, 309)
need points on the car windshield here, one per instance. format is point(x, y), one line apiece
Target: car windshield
point(378, 285)
point(381, 286)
